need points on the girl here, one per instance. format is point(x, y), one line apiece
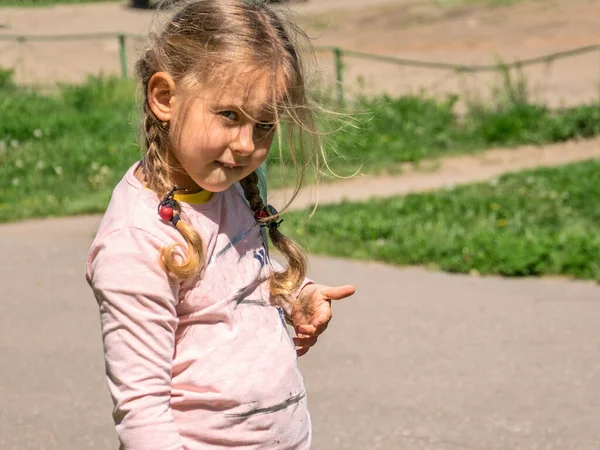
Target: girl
point(192, 307)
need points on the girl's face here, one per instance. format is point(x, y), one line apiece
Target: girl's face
point(221, 136)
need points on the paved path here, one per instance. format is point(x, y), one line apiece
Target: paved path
point(446, 172)
point(416, 360)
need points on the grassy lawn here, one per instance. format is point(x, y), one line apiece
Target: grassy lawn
point(63, 154)
point(59, 155)
point(541, 222)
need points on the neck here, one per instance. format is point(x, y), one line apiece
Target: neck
point(182, 180)
point(179, 177)
point(191, 190)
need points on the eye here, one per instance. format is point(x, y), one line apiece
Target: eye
point(231, 115)
point(265, 126)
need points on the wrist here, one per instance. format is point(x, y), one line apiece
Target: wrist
point(297, 298)
point(305, 291)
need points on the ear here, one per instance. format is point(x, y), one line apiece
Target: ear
point(161, 93)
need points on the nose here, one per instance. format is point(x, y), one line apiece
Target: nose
point(244, 141)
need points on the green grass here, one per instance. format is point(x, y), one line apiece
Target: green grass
point(392, 131)
point(541, 222)
point(17, 3)
point(62, 154)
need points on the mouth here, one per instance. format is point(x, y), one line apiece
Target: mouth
point(230, 165)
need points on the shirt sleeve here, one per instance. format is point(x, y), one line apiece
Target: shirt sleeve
point(138, 320)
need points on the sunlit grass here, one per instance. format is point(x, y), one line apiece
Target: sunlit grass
point(540, 222)
point(62, 154)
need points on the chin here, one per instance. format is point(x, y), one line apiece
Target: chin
point(219, 186)
point(220, 180)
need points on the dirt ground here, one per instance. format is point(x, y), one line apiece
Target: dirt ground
point(420, 30)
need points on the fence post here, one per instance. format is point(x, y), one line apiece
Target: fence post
point(123, 53)
point(21, 55)
point(339, 78)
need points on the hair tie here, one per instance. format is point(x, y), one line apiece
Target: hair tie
point(267, 216)
point(168, 206)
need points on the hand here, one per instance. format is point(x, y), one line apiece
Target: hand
point(312, 313)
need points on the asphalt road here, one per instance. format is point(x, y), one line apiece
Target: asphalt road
point(415, 360)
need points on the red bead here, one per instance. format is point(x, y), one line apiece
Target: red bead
point(261, 214)
point(165, 213)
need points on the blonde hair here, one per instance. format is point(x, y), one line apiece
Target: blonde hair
point(196, 47)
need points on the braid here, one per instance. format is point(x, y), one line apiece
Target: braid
point(251, 191)
point(155, 166)
point(155, 139)
point(282, 284)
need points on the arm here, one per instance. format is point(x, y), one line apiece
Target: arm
point(138, 320)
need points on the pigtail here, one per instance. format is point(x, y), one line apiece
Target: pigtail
point(190, 267)
point(155, 139)
point(282, 284)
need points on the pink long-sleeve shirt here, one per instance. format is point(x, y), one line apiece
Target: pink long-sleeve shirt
point(203, 365)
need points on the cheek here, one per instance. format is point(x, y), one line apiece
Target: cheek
point(261, 152)
point(264, 145)
point(200, 145)
point(201, 132)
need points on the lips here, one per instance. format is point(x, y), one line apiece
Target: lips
point(229, 165)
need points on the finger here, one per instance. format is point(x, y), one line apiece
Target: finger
point(306, 329)
point(316, 325)
point(338, 292)
point(305, 342)
point(302, 351)
point(322, 326)
point(311, 330)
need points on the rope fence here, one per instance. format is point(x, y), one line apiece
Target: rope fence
point(338, 55)
point(121, 38)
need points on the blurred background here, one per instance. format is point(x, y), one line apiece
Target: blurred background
point(466, 159)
